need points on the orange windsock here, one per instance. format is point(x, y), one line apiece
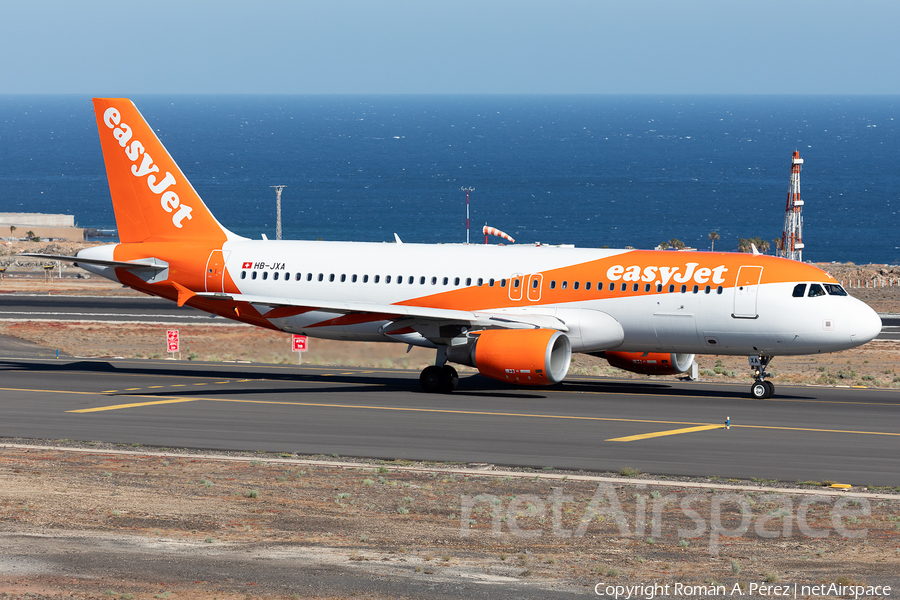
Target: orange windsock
point(496, 232)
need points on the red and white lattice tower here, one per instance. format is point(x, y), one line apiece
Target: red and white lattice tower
point(792, 237)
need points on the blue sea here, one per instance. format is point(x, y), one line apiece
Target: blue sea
point(593, 171)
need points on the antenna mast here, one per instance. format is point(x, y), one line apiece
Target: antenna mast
point(792, 237)
point(467, 190)
point(278, 189)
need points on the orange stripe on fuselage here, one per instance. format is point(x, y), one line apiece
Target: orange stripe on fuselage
point(640, 267)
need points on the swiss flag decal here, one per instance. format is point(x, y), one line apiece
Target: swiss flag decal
point(247, 265)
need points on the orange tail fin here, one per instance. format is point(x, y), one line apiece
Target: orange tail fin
point(152, 199)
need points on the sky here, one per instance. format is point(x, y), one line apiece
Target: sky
point(122, 47)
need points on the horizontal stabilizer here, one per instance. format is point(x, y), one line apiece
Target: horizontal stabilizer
point(142, 263)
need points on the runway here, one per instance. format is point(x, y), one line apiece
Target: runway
point(667, 428)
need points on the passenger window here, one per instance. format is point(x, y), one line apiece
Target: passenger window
point(353, 278)
point(647, 287)
point(377, 278)
point(243, 274)
point(799, 290)
point(253, 275)
point(343, 277)
point(490, 283)
point(456, 281)
point(658, 287)
point(275, 276)
point(587, 286)
point(599, 286)
point(696, 288)
point(575, 286)
point(815, 290)
point(480, 282)
point(719, 289)
point(468, 281)
point(411, 280)
point(321, 277)
point(707, 290)
point(515, 283)
point(671, 288)
point(445, 281)
point(387, 278)
point(298, 276)
point(624, 287)
point(422, 280)
point(265, 274)
point(684, 289)
point(534, 284)
point(835, 290)
point(365, 279)
point(635, 287)
point(565, 284)
point(612, 286)
point(331, 278)
point(552, 285)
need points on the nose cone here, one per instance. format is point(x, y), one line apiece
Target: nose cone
point(865, 325)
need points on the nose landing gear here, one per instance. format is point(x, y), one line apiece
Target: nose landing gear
point(761, 389)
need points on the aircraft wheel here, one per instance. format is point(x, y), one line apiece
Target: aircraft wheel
point(432, 379)
point(759, 390)
point(770, 387)
point(451, 378)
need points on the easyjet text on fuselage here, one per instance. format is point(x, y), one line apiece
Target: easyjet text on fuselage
point(662, 275)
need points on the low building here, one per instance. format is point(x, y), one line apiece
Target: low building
point(46, 227)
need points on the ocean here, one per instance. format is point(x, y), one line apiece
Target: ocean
point(593, 171)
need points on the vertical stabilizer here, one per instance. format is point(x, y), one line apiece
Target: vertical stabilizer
point(152, 199)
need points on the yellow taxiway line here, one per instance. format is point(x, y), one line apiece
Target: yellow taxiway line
point(135, 405)
point(644, 436)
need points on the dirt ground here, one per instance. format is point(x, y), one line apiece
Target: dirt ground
point(272, 526)
point(104, 525)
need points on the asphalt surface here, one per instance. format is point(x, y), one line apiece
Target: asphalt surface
point(803, 433)
point(98, 308)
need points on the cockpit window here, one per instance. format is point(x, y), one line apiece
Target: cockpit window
point(815, 290)
point(799, 290)
point(834, 289)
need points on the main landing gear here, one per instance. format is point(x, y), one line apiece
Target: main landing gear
point(761, 389)
point(440, 378)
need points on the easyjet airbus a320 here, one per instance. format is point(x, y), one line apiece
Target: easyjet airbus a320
point(516, 313)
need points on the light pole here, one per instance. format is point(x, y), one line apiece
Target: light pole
point(278, 189)
point(467, 190)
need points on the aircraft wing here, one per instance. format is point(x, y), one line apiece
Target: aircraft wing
point(394, 312)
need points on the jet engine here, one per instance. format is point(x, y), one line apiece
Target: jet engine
point(649, 363)
point(522, 356)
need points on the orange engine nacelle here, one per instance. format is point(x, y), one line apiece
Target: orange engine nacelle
point(522, 356)
point(650, 363)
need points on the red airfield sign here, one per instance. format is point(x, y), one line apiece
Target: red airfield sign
point(172, 340)
point(299, 342)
